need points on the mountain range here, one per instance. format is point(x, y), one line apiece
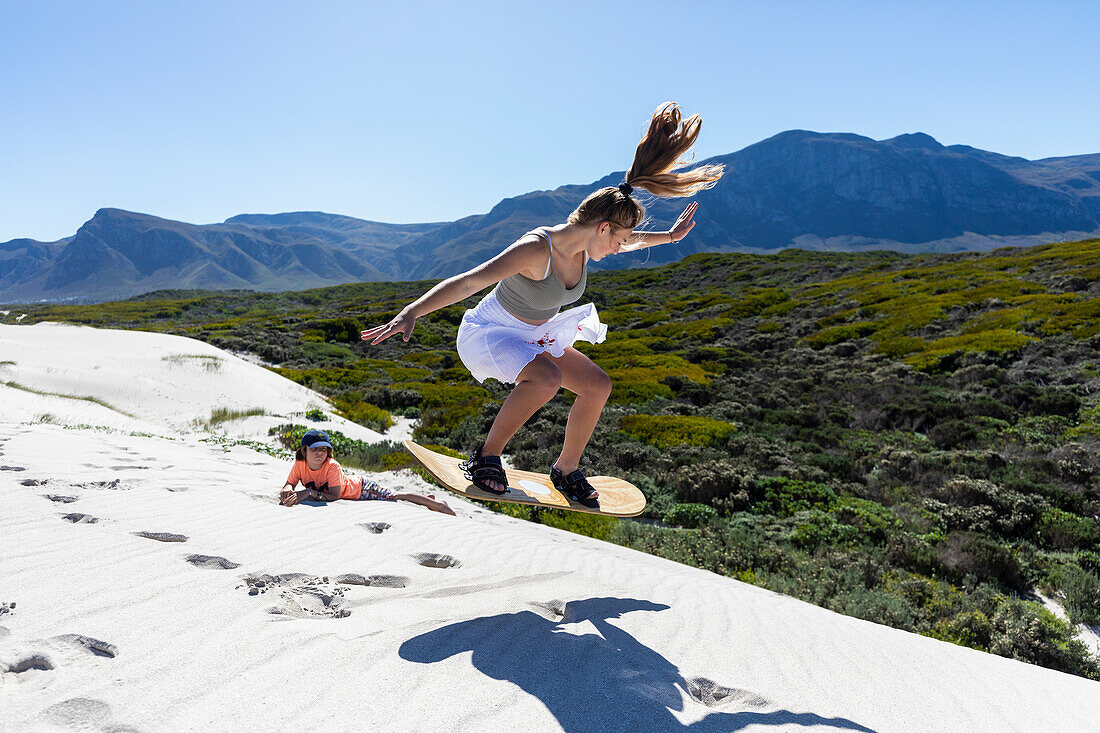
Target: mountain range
point(830, 191)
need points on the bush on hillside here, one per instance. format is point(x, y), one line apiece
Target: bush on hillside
point(783, 497)
point(1028, 632)
point(1081, 594)
point(965, 553)
point(667, 431)
point(690, 515)
point(1062, 530)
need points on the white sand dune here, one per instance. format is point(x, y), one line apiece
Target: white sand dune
point(150, 582)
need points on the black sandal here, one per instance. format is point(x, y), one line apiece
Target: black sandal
point(575, 486)
point(480, 469)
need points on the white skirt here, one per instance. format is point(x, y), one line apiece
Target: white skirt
point(494, 343)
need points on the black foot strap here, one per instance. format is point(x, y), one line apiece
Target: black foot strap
point(481, 469)
point(576, 487)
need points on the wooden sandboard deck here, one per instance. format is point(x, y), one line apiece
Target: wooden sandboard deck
point(618, 498)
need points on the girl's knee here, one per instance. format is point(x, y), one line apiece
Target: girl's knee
point(542, 375)
point(601, 385)
point(596, 385)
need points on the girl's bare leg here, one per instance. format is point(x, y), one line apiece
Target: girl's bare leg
point(428, 501)
point(592, 386)
point(536, 385)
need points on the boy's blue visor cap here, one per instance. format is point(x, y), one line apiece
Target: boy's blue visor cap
point(315, 439)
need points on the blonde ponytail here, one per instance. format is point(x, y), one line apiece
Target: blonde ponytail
point(656, 161)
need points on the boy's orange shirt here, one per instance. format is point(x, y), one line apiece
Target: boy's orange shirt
point(326, 478)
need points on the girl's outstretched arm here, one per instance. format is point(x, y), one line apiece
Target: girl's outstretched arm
point(289, 497)
point(527, 255)
point(684, 224)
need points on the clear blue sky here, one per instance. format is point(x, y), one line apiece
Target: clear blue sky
point(413, 111)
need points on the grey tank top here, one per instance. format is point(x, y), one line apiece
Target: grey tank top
point(539, 300)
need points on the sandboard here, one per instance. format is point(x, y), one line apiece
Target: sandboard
point(618, 498)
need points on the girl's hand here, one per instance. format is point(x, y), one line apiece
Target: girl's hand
point(684, 224)
point(289, 497)
point(401, 323)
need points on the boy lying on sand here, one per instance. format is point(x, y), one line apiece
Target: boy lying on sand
point(323, 479)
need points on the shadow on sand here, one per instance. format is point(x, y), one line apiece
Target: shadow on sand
point(606, 681)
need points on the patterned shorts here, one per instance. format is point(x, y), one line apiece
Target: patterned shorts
point(373, 492)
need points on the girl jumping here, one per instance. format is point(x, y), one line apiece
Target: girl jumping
point(518, 332)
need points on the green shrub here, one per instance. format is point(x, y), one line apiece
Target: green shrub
point(631, 391)
point(703, 330)
point(365, 414)
point(784, 497)
point(690, 515)
point(967, 628)
point(726, 550)
point(875, 605)
point(636, 378)
point(966, 553)
point(872, 522)
point(340, 329)
point(444, 407)
point(900, 346)
point(315, 415)
point(1081, 589)
point(815, 528)
point(1062, 530)
point(318, 351)
point(720, 483)
point(953, 434)
point(998, 341)
point(666, 431)
point(1030, 633)
point(845, 332)
point(590, 525)
point(755, 302)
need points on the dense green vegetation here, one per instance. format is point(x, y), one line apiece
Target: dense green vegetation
point(910, 440)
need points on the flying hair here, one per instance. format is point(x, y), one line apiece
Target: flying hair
point(657, 161)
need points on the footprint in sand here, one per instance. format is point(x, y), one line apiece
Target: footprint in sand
point(115, 484)
point(162, 536)
point(80, 713)
point(60, 498)
point(88, 644)
point(212, 562)
point(12, 468)
point(432, 560)
point(26, 664)
point(34, 481)
point(300, 595)
point(713, 695)
point(7, 607)
point(375, 527)
point(377, 581)
point(129, 468)
point(77, 518)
